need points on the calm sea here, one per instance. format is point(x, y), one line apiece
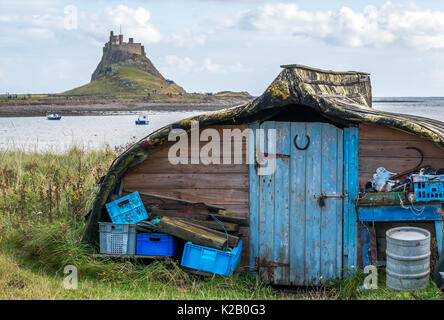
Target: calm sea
point(89, 132)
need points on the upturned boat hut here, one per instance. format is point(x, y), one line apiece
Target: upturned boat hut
point(308, 220)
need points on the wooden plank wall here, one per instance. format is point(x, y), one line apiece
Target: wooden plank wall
point(224, 184)
point(380, 146)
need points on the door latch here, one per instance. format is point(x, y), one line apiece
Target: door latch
point(321, 197)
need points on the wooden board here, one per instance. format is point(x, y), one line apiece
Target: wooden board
point(187, 180)
point(218, 184)
point(293, 240)
point(164, 166)
point(381, 146)
point(212, 196)
point(196, 234)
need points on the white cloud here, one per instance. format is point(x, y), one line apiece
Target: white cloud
point(409, 24)
point(186, 38)
point(210, 66)
point(133, 21)
point(183, 65)
point(91, 26)
point(175, 64)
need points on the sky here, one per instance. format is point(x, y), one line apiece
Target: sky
point(50, 46)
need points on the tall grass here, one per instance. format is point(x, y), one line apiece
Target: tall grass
point(43, 201)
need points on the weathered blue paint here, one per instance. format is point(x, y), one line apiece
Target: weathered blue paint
point(350, 246)
point(298, 241)
point(281, 237)
point(365, 243)
point(297, 204)
point(254, 210)
point(438, 231)
point(395, 213)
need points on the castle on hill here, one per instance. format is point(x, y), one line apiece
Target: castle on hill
point(117, 53)
point(116, 43)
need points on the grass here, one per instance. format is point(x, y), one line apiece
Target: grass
point(43, 200)
point(232, 94)
point(127, 80)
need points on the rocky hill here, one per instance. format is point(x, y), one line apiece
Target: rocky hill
point(125, 69)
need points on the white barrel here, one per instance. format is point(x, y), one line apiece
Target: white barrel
point(408, 258)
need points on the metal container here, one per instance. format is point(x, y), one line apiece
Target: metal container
point(408, 258)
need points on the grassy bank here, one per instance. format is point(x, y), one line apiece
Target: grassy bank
point(43, 200)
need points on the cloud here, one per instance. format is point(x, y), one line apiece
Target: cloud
point(93, 26)
point(210, 66)
point(187, 38)
point(175, 64)
point(135, 22)
point(183, 65)
point(408, 24)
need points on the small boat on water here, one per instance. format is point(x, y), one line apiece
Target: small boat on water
point(53, 116)
point(142, 119)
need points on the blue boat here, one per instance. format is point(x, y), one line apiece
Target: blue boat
point(142, 120)
point(53, 116)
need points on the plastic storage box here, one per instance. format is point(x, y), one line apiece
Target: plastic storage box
point(155, 244)
point(211, 260)
point(428, 188)
point(128, 209)
point(117, 238)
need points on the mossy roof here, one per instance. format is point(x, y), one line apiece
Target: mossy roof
point(342, 97)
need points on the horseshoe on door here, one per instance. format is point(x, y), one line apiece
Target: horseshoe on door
point(296, 144)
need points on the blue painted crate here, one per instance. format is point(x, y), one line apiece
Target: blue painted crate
point(428, 188)
point(128, 209)
point(155, 244)
point(211, 260)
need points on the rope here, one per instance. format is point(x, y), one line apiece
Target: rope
point(415, 211)
point(223, 226)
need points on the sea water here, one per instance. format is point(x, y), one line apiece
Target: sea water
point(91, 132)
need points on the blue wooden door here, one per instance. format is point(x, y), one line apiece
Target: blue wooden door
point(296, 213)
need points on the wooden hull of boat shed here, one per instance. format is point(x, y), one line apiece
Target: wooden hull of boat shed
point(304, 223)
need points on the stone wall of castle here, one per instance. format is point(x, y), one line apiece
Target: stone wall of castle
point(116, 44)
point(133, 48)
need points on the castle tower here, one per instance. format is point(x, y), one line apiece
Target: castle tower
point(116, 51)
point(114, 39)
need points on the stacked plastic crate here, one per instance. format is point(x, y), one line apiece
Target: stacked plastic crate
point(120, 237)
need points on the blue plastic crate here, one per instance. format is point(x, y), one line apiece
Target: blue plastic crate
point(116, 238)
point(155, 244)
point(428, 188)
point(128, 209)
point(211, 260)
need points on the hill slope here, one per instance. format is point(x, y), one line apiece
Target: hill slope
point(128, 80)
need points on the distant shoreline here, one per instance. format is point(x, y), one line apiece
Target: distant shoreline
point(112, 108)
point(396, 101)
